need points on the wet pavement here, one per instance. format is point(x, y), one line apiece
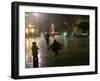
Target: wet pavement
point(75, 51)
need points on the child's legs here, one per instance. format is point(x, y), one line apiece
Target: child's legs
point(35, 61)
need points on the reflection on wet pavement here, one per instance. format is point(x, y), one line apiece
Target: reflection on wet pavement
point(75, 51)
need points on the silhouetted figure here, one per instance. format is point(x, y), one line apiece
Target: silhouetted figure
point(55, 47)
point(47, 35)
point(35, 54)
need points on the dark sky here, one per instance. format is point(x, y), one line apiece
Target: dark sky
point(45, 20)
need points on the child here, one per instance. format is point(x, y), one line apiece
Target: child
point(35, 54)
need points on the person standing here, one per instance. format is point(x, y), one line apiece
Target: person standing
point(47, 38)
point(35, 54)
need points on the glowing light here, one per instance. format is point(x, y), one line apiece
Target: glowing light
point(32, 30)
point(26, 30)
point(65, 39)
point(30, 25)
point(52, 28)
point(65, 33)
